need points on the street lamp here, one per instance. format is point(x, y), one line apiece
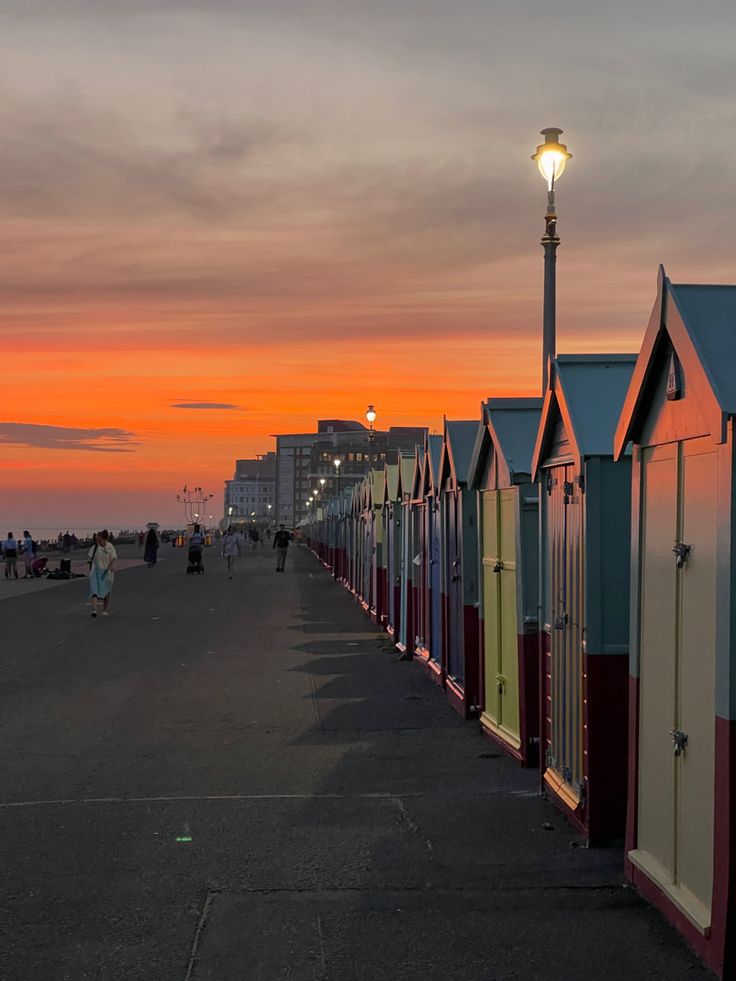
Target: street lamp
point(371, 417)
point(337, 461)
point(551, 157)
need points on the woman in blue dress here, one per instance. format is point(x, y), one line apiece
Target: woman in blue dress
point(101, 559)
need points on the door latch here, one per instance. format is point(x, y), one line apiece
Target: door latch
point(682, 553)
point(500, 683)
point(498, 566)
point(560, 621)
point(679, 741)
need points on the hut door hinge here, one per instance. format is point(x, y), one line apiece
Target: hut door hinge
point(581, 482)
point(549, 483)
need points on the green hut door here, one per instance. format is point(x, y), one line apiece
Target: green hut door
point(677, 680)
point(500, 626)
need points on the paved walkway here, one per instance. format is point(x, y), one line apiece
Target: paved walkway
point(240, 781)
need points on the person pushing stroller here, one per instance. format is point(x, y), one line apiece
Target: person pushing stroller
point(194, 555)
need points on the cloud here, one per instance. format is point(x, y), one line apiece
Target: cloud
point(204, 405)
point(67, 438)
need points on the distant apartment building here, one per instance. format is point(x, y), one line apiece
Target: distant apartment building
point(251, 494)
point(304, 460)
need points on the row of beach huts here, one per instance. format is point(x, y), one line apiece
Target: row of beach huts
point(564, 569)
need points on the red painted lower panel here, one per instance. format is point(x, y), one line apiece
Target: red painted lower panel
point(605, 744)
point(601, 817)
point(471, 654)
point(528, 648)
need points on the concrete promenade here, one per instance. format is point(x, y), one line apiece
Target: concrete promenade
point(240, 781)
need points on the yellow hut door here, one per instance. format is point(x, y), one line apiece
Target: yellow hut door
point(677, 673)
point(500, 626)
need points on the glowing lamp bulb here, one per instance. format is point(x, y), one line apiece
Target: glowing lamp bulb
point(551, 156)
point(371, 415)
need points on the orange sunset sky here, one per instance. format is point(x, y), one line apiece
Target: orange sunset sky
point(289, 210)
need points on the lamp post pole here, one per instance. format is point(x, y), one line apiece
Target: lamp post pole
point(550, 241)
point(551, 157)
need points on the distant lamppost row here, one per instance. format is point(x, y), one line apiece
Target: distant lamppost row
point(551, 157)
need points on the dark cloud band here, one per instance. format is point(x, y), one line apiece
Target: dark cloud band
point(67, 438)
point(204, 405)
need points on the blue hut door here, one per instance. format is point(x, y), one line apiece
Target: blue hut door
point(565, 665)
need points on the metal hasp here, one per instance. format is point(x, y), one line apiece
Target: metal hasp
point(679, 741)
point(682, 552)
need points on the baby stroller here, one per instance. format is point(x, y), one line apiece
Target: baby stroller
point(194, 562)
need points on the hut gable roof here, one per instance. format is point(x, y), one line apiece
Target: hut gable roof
point(431, 467)
point(378, 487)
point(457, 450)
point(406, 474)
point(700, 322)
point(587, 392)
point(481, 446)
point(513, 425)
point(391, 482)
point(417, 478)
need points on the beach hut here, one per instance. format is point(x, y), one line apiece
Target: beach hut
point(392, 546)
point(408, 477)
point(508, 516)
point(679, 417)
point(585, 509)
point(355, 551)
point(378, 602)
point(366, 539)
point(429, 645)
point(459, 550)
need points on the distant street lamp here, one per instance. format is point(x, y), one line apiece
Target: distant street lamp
point(337, 461)
point(371, 417)
point(551, 157)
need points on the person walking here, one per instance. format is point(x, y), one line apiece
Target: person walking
point(150, 551)
point(101, 558)
point(281, 543)
point(10, 554)
point(196, 544)
point(231, 549)
point(29, 548)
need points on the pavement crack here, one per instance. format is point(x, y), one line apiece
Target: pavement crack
point(413, 827)
point(321, 942)
point(315, 700)
point(201, 923)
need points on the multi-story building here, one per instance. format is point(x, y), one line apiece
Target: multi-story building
point(251, 494)
point(304, 460)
